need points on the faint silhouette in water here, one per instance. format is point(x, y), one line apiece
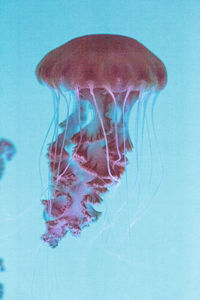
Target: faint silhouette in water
point(2, 269)
point(7, 150)
point(1, 290)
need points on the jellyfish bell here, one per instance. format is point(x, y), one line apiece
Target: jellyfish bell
point(106, 75)
point(102, 60)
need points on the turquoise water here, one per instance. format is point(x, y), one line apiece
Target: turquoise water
point(146, 244)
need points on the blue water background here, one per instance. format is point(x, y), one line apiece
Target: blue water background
point(146, 245)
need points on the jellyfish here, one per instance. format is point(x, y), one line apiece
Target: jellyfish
point(1, 290)
point(103, 75)
point(2, 267)
point(7, 151)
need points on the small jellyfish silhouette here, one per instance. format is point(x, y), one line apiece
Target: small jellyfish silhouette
point(101, 76)
point(7, 151)
point(1, 290)
point(2, 267)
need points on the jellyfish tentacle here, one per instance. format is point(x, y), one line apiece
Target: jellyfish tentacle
point(103, 129)
point(64, 138)
point(53, 145)
point(116, 126)
point(73, 123)
point(92, 131)
point(77, 93)
point(123, 122)
point(145, 102)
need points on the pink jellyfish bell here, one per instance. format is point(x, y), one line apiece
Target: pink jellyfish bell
point(106, 74)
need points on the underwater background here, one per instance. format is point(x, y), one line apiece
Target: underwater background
point(146, 244)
